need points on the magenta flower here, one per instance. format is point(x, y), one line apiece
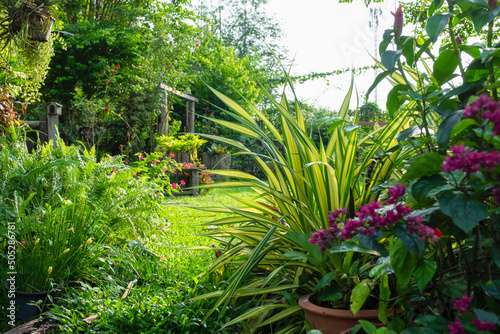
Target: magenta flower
point(115, 171)
point(461, 305)
point(496, 195)
point(395, 193)
point(141, 157)
point(134, 174)
point(484, 326)
point(174, 185)
point(470, 162)
point(172, 155)
point(117, 65)
point(456, 327)
point(334, 215)
point(183, 183)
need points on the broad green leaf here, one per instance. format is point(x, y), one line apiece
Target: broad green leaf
point(420, 189)
point(331, 293)
point(435, 25)
point(424, 165)
point(425, 270)
point(393, 100)
point(368, 327)
point(403, 263)
point(386, 40)
point(324, 281)
point(433, 321)
point(378, 79)
point(385, 295)
point(489, 53)
point(295, 255)
point(465, 213)
point(409, 50)
point(389, 59)
point(453, 288)
point(358, 296)
point(492, 288)
point(480, 17)
point(486, 316)
point(410, 240)
point(444, 66)
point(446, 127)
point(462, 125)
point(495, 254)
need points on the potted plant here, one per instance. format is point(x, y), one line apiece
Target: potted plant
point(217, 157)
point(398, 236)
point(303, 183)
point(184, 147)
point(26, 20)
point(47, 251)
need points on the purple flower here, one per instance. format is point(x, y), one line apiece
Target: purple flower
point(461, 305)
point(496, 195)
point(334, 215)
point(395, 193)
point(456, 327)
point(484, 326)
point(470, 162)
point(323, 238)
point(487, 108)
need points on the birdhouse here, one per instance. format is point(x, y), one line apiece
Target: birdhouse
point(54, 108)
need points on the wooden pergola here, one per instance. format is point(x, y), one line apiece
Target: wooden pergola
point(190, 110)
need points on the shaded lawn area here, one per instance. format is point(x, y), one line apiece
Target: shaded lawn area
point(163, 278)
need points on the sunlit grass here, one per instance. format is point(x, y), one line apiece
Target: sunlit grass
point(183, 227)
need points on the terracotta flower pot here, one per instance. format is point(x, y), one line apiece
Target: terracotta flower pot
point(334, 321)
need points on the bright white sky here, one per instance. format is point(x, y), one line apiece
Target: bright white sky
point(325, 35)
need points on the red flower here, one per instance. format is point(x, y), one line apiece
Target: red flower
point(398, 21)
point(114, 72)
point(22, 243)
point(117, 65)
point(438, 233)
point(106, 109)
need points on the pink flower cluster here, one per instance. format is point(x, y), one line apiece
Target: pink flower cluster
point(371, 218)
point(461, 305)
point(470, 162)
point(486, 108)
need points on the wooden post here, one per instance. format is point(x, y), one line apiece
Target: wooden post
point(190, 116)
point(53, 112)
point(52, 122)
point(164, 115)
point(190, 107)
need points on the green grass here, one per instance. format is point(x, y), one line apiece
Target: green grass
point(164, 277)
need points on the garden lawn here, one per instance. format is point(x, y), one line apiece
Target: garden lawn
point(161, 274)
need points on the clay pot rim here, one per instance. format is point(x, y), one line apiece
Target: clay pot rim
point(305, 303)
